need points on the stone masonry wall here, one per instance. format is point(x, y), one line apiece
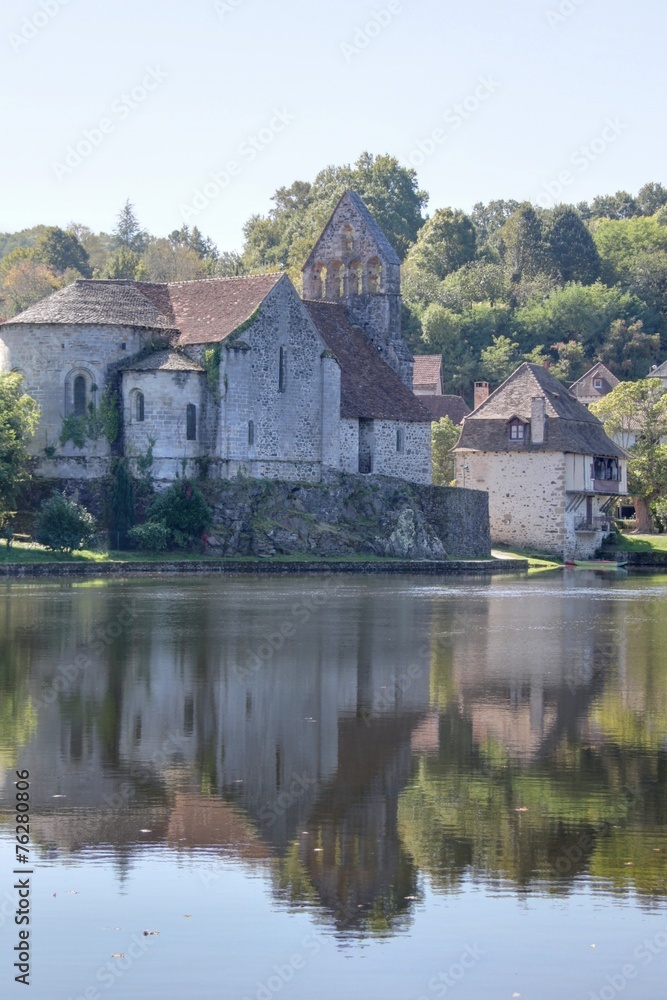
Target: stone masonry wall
point(526, 496)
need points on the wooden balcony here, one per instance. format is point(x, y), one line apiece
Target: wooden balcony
point(607, 486)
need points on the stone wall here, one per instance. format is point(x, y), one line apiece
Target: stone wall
point(286, 411)
point(348, 515)
point(526, 496)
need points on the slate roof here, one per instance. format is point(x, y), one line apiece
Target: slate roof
point(659, 372)
point(370, 389)
point(454, 407)
point(385, 247)
point(201, 311)
point(427, 371)
point(161, 361)
point(569, 427)
point(584, 389)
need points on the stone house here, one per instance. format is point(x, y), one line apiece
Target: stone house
point(551, 472)
point(230, 375)
point(659, 372)
point(427, 383)
point(597, 382)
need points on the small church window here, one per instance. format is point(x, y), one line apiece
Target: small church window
point(251, 432)
point(400, 439)
point(348, 239)
point(282, 370)
point(373, 276)
point(191, 422)
point(355, 278)
point(319, 281)
point(517, 430)
point(335, 280)
point(79, 396)
point(139, 407)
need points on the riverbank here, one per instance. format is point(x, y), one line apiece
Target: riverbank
point(198, 565)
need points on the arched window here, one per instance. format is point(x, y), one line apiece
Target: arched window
point(191, 422)
point(139, 406)
point(79, 394)
point(251, 433)
point(335, 277)
point(374, 276)
point(348, 238)
point(319, 281)
point(355, 278)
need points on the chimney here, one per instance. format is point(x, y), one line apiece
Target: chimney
point(546, 364)
point(481, 393)
point(538, 405)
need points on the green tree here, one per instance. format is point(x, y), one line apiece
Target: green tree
point(165, 261)
point(478, 281)
point(620, 241)
point(651, 198)
point(18, 419)
point(571, 247)
point(444, 333)
point(123, 263)
point(61, 251)
point(128, 233)
point(521, 244)
point(63, 525)
point(121, 506)
point(635, 415)
point(628, 350)
point(184, 512)
point(444, 436)
point(615, 206)
point(25, 282)
point(499, 360)
point(572, 362)
point(488, 218)
point(445, 243)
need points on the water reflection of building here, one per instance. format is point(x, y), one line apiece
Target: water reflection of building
point(314, 736)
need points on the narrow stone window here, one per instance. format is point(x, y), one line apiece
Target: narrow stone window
point(191, 422)
point(348, 239)
point(374, 276)
point(282, 370)
point(139, 407)
point(79, 396)
point(355, 278)
point(251, 433)
point(335, 280)
point(400, 439)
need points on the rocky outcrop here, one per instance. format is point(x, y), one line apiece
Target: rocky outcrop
point(348, 515)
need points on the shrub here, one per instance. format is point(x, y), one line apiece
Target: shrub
point(150, 537)
point(63, 525)
point(183, 510)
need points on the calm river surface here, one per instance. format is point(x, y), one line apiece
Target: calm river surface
point(338, 787)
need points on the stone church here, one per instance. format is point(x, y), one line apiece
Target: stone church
point(230, 375)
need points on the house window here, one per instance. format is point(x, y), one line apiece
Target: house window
point(400, 439)
point(251, 432)
point(191, 422)
point(282, 370)
point(517, 430)
point(139, 406)
point(79, 396)
point(606, 469)
point(597, 383)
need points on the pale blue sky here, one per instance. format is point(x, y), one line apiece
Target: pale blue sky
point(592, 78)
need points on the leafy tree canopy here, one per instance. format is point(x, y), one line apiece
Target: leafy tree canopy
point(18, 419)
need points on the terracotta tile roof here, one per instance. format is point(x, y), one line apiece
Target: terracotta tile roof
point(172, 361)
point(201, 311)
point(427, 371)
point(209, 310)
point(569, 426)
point(370, 389)
point(454, 407)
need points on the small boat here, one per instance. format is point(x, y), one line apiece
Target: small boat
point(608, 564)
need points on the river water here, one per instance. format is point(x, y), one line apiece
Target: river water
point(338, 787)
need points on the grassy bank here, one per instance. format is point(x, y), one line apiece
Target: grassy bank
point(536, 560)
point(641, 543)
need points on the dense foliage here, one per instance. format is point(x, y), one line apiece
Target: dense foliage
point(63, 525)
point(18, 418)
point(183, 511)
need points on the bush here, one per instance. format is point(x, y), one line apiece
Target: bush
point(183, 510)
point(63, 525)
point(150, 537)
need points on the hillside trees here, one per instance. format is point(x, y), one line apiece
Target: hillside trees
point(18, 418)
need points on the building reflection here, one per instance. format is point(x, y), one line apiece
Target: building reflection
point(347, 737)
